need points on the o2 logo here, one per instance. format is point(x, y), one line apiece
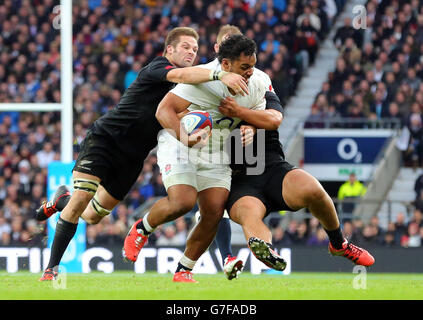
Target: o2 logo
point(348, 150)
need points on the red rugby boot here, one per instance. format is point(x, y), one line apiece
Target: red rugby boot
point(48, 275)
point(184, 276)
point(233, 267)
point(59, 202)
point(134, 242)
point(356, 254)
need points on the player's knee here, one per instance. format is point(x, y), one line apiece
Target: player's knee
point(92, 219)
point(315, 194)
point(77, 204)
point(212, 215)
point(181, 206)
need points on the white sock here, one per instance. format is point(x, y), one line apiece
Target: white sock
point(187, 262)
point(146, 225)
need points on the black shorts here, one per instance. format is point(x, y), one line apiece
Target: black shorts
point(101, 157)
point(266, 187)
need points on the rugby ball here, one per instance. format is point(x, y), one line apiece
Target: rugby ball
point(196, 120)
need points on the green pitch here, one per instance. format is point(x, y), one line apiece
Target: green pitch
point(152, 286)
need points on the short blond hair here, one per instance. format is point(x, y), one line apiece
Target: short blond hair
point(227, 30)
point(173, 37)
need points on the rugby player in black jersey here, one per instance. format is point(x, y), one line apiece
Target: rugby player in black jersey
point(282, 186)
point(113, 152)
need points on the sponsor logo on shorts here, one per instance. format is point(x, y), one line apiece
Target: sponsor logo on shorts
point(84, 162)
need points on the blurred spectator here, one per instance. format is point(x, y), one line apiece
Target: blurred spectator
point(414, 153)
point(5, 230)
point(349, 192)
point(418, 185)
point(291, 231)
point(417, 217)
point(412, 237)
point(348, 229)
point(279, 237)
point(400, 226)
point(319, 238)
point(368, 237)
point(301, 235)
point(418, 203)
point(389, 239)
point(170, 236)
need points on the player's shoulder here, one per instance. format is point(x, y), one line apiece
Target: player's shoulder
point(212, 65)
point(160, 62)
point(261, 74)
point(263, 78)
point(258, 83)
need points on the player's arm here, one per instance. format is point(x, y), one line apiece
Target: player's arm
point(196, 75)
point(169, 114)
point(269, 119)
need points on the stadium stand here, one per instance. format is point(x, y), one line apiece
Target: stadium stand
point(378, 75)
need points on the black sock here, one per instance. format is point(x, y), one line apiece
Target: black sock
point(181, 267)
point(63, 235)
point(140, 225)
point(223, 238)
point(336, 238)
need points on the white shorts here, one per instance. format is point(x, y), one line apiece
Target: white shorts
point(182, 165)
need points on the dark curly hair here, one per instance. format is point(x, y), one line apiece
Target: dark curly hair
point(234, 46)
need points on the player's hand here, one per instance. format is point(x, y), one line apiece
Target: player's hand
point(199, 139)
point(247, 134)
point(229, 107)
point(195, 140)
point(236, 82)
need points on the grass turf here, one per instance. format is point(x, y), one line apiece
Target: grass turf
point(153, 286)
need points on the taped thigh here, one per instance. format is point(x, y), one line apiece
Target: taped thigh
point(98, 208)
point(86, 185)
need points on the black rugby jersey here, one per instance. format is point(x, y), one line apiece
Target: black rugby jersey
point(132, 123)
point(273, 151)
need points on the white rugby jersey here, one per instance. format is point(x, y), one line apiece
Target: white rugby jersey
point(207, 97)
point(263, 76)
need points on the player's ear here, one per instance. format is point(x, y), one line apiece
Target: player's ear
point(169, 49)
point(216, 48)
point(226, 64)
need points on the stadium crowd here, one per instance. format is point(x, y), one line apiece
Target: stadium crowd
point(113, 40)
point(377, 81)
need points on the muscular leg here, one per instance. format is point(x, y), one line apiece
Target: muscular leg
point(181, 199)
point(105, 200)
point(212, 204)
point(223, 238)
point(302, 190)
point(249, 213)
point(68, 220)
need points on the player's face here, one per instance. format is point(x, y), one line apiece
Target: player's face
point(244, 65)
point(185, 52)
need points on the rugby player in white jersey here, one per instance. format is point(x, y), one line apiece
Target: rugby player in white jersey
point(232, 266)
point(198, 174)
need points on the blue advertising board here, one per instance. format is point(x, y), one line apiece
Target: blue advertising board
point(332, 155)
point(60, 173)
